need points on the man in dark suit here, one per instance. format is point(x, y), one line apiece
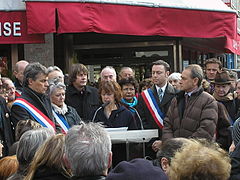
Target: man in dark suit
point(160, 95)
point(34, 103)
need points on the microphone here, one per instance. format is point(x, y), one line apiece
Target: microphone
point(101, 107)
point(140, 119)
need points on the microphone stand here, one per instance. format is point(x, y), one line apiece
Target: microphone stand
point(98, 109)
point(141, 124)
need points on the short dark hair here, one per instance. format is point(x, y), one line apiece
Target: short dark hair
point(32, 71)
point(170, 147)
point(163, 63)
point(130, 80)
point(213, 61)
point(75, 70)
point(196, 72)
point(111, 87)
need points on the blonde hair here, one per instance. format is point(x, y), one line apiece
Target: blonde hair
point(50, 154)
point(8, 166)
point(200, 160)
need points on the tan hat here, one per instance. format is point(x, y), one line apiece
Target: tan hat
point(222, 78)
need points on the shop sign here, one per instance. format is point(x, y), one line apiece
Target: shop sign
point(13, 29)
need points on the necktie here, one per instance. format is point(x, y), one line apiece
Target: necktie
point(160, 94)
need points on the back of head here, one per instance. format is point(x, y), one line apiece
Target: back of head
point(88, 149)
point(32, 71)
point(24, 126)
point(29, 144)
point(136, 169)
point(200, 161)
point(170, 147)
point(8, 166)
point(49, 155)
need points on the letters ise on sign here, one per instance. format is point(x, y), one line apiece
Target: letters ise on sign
point(10, 28)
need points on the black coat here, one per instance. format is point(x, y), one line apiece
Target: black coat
point(72, 117)
point(147, 118)
point(120, 117)
point(235, 163)
point(6, 127)
point(89, 178)
point(40, 101)
point(46, 173)
point(85, 102)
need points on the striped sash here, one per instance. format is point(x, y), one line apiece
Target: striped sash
point(36, 113)
point(153, 107)
point(62, 122)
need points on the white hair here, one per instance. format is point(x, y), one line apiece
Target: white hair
point(175, 76)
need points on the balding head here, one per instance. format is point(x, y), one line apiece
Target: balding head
point(19, 69)
point(125, 73)
point(108, 74)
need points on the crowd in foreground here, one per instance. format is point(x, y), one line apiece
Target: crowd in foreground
point(49, 126)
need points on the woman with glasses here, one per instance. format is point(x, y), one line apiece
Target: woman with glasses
point(129, 88)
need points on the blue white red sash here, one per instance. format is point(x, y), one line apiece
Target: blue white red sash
point(153, 107)
point(36, 113)
point(62, 122)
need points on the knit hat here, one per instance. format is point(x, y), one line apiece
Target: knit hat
point(136, 169)
point(236, 131)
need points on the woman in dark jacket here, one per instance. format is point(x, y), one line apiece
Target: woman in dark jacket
point(64, 116)
point(48, 163)
point(129, 100)
point(114, 115)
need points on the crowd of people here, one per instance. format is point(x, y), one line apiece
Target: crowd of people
point(52, 126)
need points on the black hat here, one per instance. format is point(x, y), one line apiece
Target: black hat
point(222, 78)
point(136, 169)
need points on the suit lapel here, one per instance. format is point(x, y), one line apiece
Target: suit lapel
point(168, 94)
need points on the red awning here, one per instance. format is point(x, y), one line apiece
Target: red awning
point(13, 29)
point(75, 17)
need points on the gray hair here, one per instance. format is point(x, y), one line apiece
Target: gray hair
point(110, 68)
point(56, 85)
point(88, 147)
point(174, 76)
point(196, 72)
point(53, 68)
point(32, 71)
point(29, 143)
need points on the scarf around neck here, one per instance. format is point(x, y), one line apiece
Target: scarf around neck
point(60, 110)
point(130, 104)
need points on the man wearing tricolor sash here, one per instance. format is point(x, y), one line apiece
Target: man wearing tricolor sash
point(154, 102)
point(33, 102)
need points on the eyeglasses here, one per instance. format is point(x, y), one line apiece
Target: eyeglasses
point(128, 89)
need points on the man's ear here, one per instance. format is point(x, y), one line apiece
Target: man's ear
point(164, 164)
point(15, 73)
point(195, 81)
point(66, 162)
point(30, 81)
point(167, 73)
point(110, 160)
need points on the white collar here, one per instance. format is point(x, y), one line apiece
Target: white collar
point(163, 88)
